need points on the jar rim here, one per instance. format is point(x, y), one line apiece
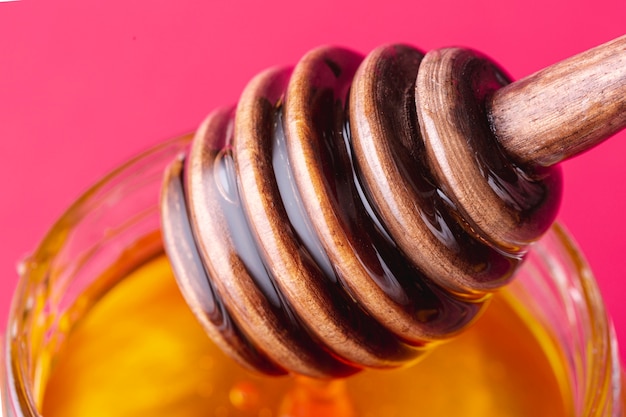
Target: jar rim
point(33, 269)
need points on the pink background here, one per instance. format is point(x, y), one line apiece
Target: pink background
point(84, 85)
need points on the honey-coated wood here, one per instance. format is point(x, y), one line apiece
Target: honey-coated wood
point(353, 211)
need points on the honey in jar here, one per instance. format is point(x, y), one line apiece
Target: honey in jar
point(139, 351)
point(98, 327)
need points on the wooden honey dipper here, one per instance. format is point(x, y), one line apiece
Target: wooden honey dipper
point(351, 212)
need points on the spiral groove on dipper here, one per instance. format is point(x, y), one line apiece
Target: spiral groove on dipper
point(335, 221)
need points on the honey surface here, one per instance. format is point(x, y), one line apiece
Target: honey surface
point(140, 352)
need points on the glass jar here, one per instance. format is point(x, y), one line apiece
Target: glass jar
point(117, 223)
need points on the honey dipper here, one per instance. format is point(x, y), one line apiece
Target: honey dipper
point(350, 212)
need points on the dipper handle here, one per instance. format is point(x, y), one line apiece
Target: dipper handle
point(564, 109)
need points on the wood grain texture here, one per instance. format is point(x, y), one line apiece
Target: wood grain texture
point(501, 203)
point(564, 109)
point(352, 212)
point(196, 286)
point(309, 294)
point(230, 254)
point(394, 166)
point(314, 119)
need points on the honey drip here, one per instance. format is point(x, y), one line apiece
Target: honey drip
point(319, 227)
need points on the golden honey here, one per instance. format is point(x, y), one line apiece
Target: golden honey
point(98, 327)
point(139, 351)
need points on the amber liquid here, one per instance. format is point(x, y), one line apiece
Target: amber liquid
point(140, 352)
